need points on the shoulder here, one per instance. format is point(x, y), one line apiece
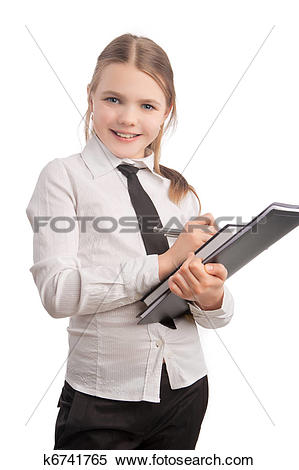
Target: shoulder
point(60, 168)
point(59, 163)
point(57, 178)
point(54, 182)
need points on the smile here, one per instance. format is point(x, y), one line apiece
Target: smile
point(125, 137)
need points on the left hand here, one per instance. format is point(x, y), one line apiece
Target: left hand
point(193, 281)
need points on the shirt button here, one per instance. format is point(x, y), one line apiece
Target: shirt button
point(158, 343)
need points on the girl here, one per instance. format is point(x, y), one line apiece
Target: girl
point(127, 386)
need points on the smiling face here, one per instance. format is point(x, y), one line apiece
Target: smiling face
point(128, 101)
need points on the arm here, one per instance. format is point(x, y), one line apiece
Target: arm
point(65, 287)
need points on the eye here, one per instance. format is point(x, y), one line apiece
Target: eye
point(150, 106)
point(110, 98)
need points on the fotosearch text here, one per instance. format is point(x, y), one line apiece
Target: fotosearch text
point(127, 224)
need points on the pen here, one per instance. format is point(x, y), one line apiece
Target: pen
point(167, 232)
point(171, 232)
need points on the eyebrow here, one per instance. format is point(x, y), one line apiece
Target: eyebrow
point(111, 92)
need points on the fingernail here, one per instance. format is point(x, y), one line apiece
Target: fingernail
point(210, 268)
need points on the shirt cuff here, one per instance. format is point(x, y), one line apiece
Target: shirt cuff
point(214, 318)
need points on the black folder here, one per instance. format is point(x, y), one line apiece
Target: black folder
point(234, 246)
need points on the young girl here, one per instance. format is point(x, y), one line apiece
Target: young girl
point(127, 386)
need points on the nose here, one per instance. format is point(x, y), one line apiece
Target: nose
point(127, 116)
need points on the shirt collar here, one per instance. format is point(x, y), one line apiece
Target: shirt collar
point(100, 160)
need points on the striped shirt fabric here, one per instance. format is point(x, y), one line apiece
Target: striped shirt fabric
point(90, 264)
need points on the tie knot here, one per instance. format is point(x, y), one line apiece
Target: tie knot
point(127, 170)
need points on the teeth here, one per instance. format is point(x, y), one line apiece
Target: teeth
point(127, 136)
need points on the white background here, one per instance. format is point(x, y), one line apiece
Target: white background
point(248, 159)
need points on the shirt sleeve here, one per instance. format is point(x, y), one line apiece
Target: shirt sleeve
point(66, 287)
point(214, 318)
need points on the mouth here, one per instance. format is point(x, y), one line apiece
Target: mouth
point(125, 136)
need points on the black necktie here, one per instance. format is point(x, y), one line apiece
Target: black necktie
point(148, 217)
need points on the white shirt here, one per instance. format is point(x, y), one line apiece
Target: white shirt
point(97, 278)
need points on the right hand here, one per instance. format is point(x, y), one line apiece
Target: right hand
point(195, 234)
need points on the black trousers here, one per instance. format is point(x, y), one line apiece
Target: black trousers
point(89, 422)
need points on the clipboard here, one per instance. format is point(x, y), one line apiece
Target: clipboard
point(234, 246)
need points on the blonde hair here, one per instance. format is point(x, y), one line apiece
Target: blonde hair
point(151, 59)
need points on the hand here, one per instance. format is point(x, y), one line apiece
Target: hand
point(193, 281)
point(194, 234)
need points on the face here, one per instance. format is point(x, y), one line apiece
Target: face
point(127, 101)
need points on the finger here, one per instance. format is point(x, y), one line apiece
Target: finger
point(185, 267)
point(174, 287)
point(210, 229)
point(201, 272)
point(190, 279)
point(205, 221)
point(193, 269)
point(200, 225)
point(217, 269)
point(184, 280)
point(201, 220)
point(181, 282)
point(211, 220)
